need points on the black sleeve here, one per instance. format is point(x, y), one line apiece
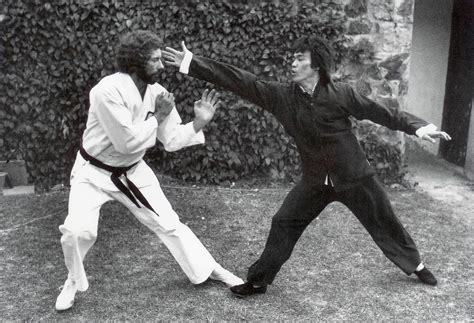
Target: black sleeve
point(362, 107)
point(268, 95)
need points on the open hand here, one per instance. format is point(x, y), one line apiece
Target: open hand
point(174, 57)
point(205, 108)
point(432, 135)
point(164, 103)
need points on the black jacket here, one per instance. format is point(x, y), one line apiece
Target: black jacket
point(319, 124)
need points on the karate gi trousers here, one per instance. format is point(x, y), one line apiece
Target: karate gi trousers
point(91, 187)
point(369, 203)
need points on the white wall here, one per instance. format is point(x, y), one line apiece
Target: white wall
point(429, 61)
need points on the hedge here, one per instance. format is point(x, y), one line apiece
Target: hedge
point(53, 53)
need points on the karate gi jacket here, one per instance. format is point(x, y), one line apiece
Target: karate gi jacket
point(118, 135)
point(319, 124)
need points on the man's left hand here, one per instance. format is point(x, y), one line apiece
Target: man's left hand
point(205, 108)
point(432, 135)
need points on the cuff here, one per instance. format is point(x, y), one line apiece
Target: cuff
point(150, 117)
point(425, 129)
point(184, 67)
point(195, 137)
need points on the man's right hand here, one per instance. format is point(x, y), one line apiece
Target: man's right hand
point(164, 103)
point(174, 57)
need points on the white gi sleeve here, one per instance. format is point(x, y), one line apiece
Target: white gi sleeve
point(174, 135)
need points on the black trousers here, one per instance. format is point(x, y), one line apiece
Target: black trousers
point(369, 203)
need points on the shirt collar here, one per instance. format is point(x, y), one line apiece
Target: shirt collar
point(314, 88)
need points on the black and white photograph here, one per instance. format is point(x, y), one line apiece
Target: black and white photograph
point(237, 160)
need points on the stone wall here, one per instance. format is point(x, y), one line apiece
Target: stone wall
point(381, 31)
point(380, 36)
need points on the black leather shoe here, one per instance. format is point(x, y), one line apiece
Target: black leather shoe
point(426, 277)
point(247, 289)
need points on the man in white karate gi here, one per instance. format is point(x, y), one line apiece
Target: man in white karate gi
point(128, 112)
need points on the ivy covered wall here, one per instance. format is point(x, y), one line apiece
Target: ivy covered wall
point(53, 53)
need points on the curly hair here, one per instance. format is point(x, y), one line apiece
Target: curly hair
point(135, 49)
point(321, 55)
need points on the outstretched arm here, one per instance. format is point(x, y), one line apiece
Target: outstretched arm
point(362, 107)
point(268, 95)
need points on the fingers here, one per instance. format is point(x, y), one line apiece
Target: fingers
point(431, 136)
point(213, 96)
point(160, 97)
point(445, 135)
point(169, 50)
point(440, 134)
point(217, 105)
point(171, 56)
point(165, 98)
point(167, 55)
point(168, 58)
point(210, 97)
point(204, 95)
point(428, 138)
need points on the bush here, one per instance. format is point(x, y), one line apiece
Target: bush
point(53, 53)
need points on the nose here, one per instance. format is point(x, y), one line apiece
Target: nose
point(160, 65)
point(293, 64)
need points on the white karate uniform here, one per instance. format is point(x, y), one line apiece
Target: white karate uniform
point(118, 135)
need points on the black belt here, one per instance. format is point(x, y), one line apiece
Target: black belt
point(132, 191)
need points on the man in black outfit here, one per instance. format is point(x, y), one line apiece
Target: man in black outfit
point(315, 111)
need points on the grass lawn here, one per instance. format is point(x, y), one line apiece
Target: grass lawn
point(335, 273)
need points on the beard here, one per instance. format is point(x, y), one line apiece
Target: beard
point(147, 77)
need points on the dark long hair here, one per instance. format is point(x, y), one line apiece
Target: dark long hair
point(321, 55)
point(135, 49)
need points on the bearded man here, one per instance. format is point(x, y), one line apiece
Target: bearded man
point(128, 113)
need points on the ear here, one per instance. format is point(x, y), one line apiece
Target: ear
point(314, 67)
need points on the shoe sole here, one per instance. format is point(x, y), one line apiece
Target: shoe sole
point(428, 283)
point(240, 295)
point(245, 296)
point(64, 309)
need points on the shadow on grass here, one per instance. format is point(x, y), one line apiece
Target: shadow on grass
point(335, 273)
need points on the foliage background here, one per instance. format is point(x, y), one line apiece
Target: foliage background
point(53, 53)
